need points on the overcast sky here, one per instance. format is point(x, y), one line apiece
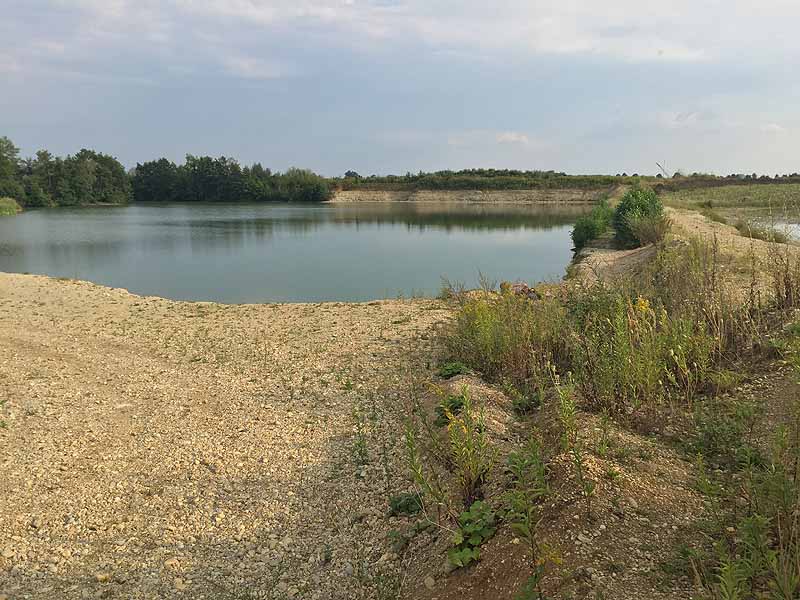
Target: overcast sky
point(389, 86)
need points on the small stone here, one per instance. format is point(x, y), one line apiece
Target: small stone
point(430, 582)
point(102, 577)
point(584, 539)
point(8, 553)
point(633, 504)
point(171, 563)
point(180, 584)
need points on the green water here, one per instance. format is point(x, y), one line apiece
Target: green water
point(296, 253)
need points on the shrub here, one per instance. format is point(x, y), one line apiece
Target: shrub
point(9, 206)
point(649, 229)
point(592, 226)
point(635, 204)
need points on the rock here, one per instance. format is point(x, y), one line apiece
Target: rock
point(520, 289)
point(102, 577)
point(8, 553)
point(180, 584)
point(171, 563)
point(430, 582)
point(633, 504)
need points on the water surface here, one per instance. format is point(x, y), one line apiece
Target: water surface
point(291, 252)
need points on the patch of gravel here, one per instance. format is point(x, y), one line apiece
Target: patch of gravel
point(160, 449)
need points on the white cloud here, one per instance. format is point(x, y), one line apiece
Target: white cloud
point(512, 137)
point(249, 67)
point(773, 129)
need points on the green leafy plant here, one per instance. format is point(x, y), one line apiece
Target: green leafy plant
point(405, 504)
point(450, 369)
point(449, 406)
point(475, 526)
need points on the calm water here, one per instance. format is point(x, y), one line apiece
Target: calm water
point(256, 253)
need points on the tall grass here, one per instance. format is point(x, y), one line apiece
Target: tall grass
point(632, 346)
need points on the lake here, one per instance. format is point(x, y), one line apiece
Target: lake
point(238, 253)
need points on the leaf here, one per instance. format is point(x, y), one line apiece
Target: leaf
point(458, 538)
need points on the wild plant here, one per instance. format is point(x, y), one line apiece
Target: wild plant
point(475, 526)
point(471, 453)
point(523, 502)
point(360, 450)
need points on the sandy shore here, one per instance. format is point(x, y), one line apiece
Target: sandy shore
point(543, 196)
point(158, 449)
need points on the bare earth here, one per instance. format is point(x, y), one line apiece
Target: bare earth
point(159, 449)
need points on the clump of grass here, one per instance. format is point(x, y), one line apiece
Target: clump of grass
point(9, 207)
point(761, 232)
point(592, 226)
point(713, 215)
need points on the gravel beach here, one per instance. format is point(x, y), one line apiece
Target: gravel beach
point(159, 449)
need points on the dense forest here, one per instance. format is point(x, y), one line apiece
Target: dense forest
point(88, 177)
point(206, 179)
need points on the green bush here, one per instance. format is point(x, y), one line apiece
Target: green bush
point(592, 226)
point(9, 206)
point(636, 204)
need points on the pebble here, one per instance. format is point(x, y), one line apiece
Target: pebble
point(102, 577)
point(430, 582)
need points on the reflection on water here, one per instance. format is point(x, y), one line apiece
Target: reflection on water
point(280, 252)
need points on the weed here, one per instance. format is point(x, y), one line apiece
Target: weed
point(523, 508)
point(405, 504)
point(587, 486)
point(475, 526)
point(449, 406)
point(360, 451)
point(450, 369)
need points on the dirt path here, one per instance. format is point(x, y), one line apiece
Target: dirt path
point(158, 449)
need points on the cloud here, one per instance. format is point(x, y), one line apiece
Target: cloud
point(512, 137)
point(772, 129)
point(250, 67)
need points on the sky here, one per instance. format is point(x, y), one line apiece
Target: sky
point(390, 86)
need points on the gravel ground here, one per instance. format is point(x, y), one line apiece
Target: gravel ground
point(160, 449)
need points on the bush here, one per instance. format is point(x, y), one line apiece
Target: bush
point(9, 206)
point(648, 229)
point(592, 226)
point(636, 204)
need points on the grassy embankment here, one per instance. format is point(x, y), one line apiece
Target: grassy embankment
point(755, 210)
point(662, 353)
point(9, 206)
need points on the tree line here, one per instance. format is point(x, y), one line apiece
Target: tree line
point(206, 179)
point(90, 177)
